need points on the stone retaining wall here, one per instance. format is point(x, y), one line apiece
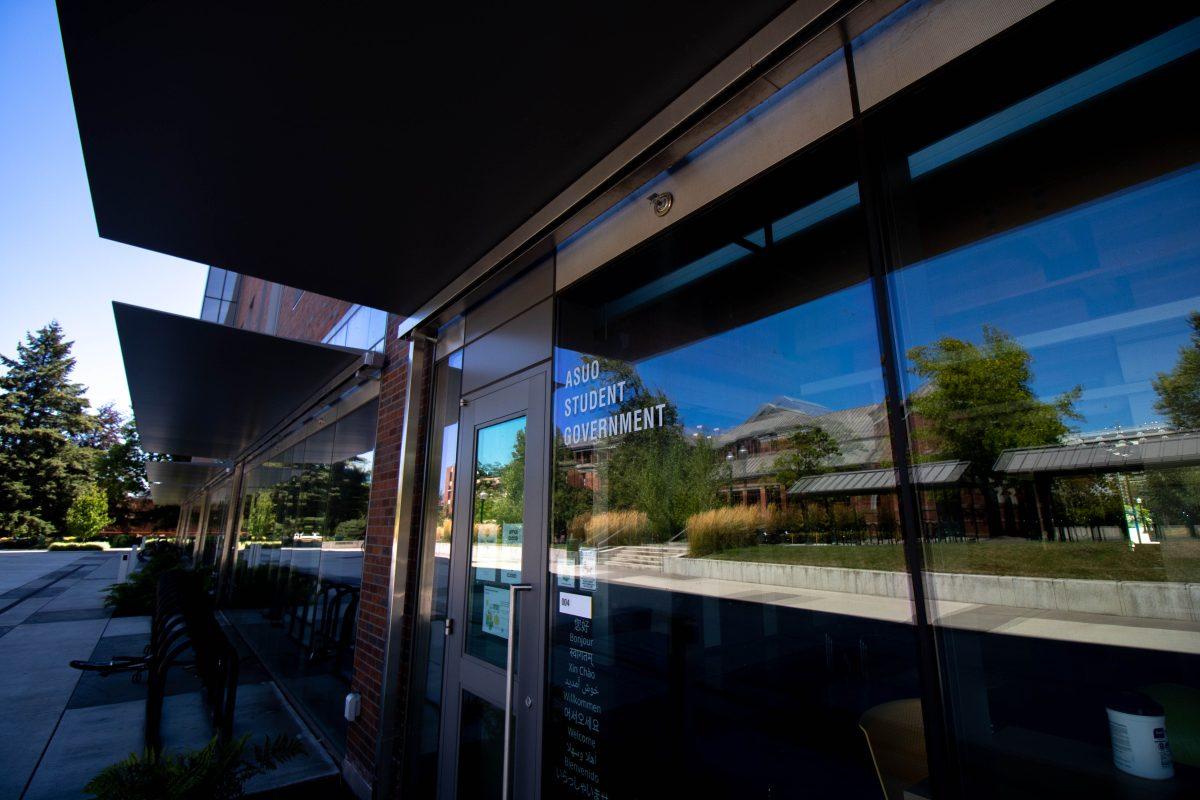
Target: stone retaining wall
point(1179, 601)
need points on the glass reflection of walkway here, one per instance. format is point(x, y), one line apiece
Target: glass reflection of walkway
point(1149, 633)
point(302, 623)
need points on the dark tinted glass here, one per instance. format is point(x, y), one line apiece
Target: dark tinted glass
point(1047, 310)
point(731, 612)
point(298, 570)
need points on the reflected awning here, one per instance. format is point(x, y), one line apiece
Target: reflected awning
point(209, 390)
point(1157, 450)
point(367, 151)
point(172, 481)
point(875, 481)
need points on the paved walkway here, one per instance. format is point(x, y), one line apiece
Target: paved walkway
point(59, 727)
point(53, 612)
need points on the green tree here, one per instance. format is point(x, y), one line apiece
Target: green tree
point(44, 427)
point(88, 513)
point(504, 485)
point(1089, 501)
point(809, 448)
point(1179, 390)
point(108, 425)
point(1173, 496)
point(121, 471)
point(262, 525)
point(979, 402)
point(570, 498)
point(658, 471)
point(350, 491)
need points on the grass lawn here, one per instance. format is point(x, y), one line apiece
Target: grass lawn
point(1173, 560)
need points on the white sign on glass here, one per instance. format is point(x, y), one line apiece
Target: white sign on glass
point(587, 568)
point(511, 536)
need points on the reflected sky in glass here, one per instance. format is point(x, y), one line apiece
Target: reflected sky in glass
point(1099, 296)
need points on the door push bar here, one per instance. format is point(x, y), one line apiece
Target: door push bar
point(513, 590)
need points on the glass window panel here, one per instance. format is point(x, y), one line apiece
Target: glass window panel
point(216, 280)
point(723, 517)
point(497, 531)
point(227, 291)
point(295, 589)
point(377, 326)
point(357, 326)
point(481, 749)
point(1048, 320)
point(210, 310)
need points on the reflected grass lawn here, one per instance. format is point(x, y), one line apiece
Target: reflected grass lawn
point(1173, 560)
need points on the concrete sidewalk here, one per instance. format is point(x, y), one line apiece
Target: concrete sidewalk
point(54, 612)
point(61, 726)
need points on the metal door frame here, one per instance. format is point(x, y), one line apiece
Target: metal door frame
point(524, 394)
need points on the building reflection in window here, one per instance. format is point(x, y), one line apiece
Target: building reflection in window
point(701, 386)
point(1048, 319)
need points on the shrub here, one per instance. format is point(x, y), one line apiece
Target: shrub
point(577, 526)
point(88, 514)
point(887, 521)
point(77, 546)
point(123, 540)
point(724, 529)
point(845, 518)
point(22, 543)
point(214, 772)
point(615, 528)
point(135, 597)
point(487, 532)
point(350, 529)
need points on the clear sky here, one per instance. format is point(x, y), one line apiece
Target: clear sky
point(53, 265)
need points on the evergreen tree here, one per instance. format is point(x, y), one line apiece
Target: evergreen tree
point(43, 427)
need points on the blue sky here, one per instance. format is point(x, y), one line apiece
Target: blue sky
point(53, 265)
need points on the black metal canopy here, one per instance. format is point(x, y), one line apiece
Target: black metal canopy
point(367, 151)
point(203, 389)
point(172, 481)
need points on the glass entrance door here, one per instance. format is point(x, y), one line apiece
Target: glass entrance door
point(495, 625)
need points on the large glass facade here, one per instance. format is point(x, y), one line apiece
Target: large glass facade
point(698, 383)
point(297, 572)
point(213, 540)
point(951, 353)
point(1046, 300)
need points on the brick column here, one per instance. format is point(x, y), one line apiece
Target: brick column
point(363, 733)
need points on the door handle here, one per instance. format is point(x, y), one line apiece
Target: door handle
point(513, 591)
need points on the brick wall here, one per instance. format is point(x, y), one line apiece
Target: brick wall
point(314, 315)
point(363, 734)
point(252, 302)
point(311, 318)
